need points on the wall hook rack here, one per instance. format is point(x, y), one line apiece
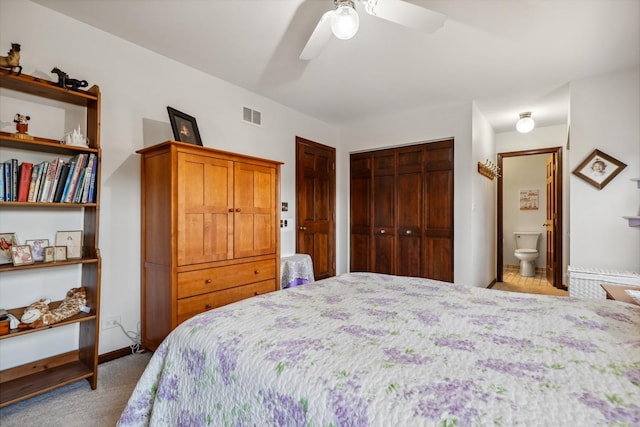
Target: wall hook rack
point(488, 169)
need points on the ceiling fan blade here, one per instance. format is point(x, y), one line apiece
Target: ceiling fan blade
point(406, 14)
point(319, 38)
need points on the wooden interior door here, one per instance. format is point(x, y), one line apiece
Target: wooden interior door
point(254, 209)
point(315, 205)
point(554, 244)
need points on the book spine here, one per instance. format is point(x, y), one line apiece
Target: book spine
point(38, 186)
point(74, 179)
point(87, 183)
point(72, 167)
point(92, 184)
point(32, 183)
point(78, 190)
point(1, 182)
point(7, 181)
point(48, 178)
point(61, 182)
point(56, 177)
point(14, 180)
point(25, 180)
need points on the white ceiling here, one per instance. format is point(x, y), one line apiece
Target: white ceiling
point(508, 56)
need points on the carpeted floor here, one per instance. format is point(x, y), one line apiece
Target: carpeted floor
point(76, 404)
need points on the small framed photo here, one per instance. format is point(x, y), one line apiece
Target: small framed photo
point(49, 254)
point(73, 242)
point(184, 126)
point(21, 255)
point(598, 169)
point(59, 253)
point(7, 240)
point(37, 248)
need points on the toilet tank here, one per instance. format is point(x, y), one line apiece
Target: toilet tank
point(527, 239)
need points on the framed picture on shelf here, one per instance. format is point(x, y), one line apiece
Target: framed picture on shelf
point(598, 169)
point(73, 242)
point(37, 248)
point(184, 126)
point(59, 253)
point(49, 254)
point(21, 255)
point(7, 240)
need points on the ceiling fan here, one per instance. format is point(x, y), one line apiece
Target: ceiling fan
point(343, 21)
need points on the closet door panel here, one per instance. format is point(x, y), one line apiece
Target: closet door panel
point(360, 211)
point(410, 200)
point(384, 204)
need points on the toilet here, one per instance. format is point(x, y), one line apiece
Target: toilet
point(527, 251)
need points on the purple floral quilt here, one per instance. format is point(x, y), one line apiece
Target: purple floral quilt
point(367, 349)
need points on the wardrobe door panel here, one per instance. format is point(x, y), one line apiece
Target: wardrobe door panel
point(254, 210)
point(205, 188)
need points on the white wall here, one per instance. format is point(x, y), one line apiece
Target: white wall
point(483, 203)
point(604, 116)
point(523, 173)
point(416, 126)
point(137, 85)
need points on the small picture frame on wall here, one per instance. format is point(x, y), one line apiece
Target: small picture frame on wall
point(21, 255)
point(49, 254)
point(73, 242)
point(598, 169)
point(184, 126)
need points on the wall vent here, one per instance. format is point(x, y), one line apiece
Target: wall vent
point(251, 116)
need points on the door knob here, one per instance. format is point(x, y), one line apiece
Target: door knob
point(408, 232)
point(382, 231)
point(303, 228)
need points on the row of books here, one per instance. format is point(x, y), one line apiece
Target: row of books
point(72, 181)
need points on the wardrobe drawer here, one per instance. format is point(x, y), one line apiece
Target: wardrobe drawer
point(198, 282)
point(189, 307)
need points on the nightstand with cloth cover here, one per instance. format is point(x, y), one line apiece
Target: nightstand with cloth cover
point(296, 270)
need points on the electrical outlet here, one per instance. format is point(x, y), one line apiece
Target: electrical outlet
point(111, 322)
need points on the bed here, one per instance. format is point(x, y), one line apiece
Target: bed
point(365, 349)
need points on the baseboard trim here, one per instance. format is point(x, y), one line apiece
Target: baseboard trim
point(113, 355)
point(493, 282)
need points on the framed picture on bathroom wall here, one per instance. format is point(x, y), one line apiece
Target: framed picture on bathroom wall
point(598, 169)
point(529, 200)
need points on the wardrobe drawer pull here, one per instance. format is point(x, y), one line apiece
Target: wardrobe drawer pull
point(208, 281)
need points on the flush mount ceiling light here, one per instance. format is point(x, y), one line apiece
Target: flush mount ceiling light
point(526, 123)
point(345, 20)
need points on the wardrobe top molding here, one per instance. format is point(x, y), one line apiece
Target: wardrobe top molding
point(186, 147)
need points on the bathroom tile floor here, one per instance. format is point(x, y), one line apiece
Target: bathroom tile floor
point(513, 282)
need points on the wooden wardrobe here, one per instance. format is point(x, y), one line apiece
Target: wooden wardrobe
point(210, 232)
point(402, 211)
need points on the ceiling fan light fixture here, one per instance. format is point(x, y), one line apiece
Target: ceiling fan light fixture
point(526, 123)
point(345, 20)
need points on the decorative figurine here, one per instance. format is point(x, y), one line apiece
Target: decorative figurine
point(65, 81)
point(76, 138)
point(22, 123)
point(12, 61)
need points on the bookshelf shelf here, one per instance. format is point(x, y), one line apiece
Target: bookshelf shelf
point(21, 382)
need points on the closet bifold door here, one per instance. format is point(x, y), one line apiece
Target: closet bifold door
point(409, 211)
point(360, 212)
point(384, 202)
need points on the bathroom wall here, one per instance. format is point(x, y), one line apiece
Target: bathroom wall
point(523, 173)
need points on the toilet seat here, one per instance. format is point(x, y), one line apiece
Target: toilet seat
point(526, 251)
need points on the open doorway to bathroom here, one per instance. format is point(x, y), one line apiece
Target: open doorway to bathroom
point(530, 196)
